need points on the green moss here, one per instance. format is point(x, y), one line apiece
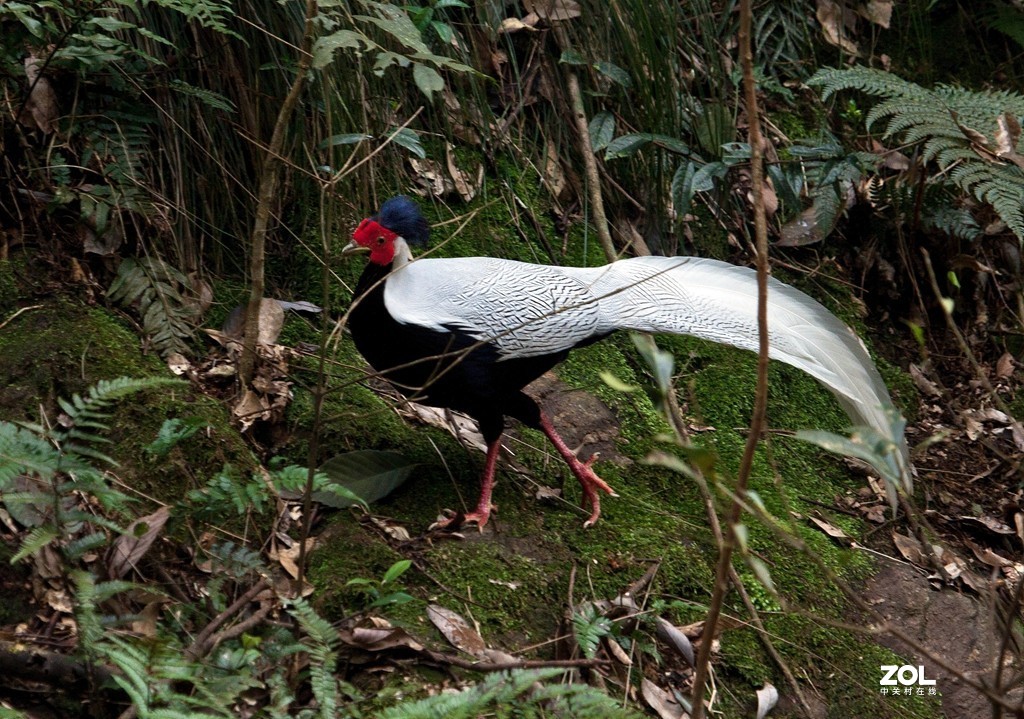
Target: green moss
point(8, 287)
point(62, 348)
point(80, 346)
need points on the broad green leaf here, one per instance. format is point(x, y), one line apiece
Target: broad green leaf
point(682, 189)
point(704, 178)
point(602, 130)
point(735, 153)
point(672, 144)
point(427, 79)
point(571, 57)
point(626, 145)
point(443, 30)
point(324, 47)
point(369, 474)
point(396, 570)
point(109, 24)
point(350, 138)
point(397, 24)
point(410, 140)
point(614, 73)
point(615, 383)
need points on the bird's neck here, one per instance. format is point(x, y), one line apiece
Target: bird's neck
point(375, 274)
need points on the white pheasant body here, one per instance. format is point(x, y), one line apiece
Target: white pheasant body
point(526, 310)
point(468, 334)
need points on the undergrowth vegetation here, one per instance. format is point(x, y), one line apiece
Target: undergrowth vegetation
point(132, 138)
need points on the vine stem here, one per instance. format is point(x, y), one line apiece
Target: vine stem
point(757, 421)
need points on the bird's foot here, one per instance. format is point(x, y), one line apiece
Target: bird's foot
point(591, 483)
point(452, 521)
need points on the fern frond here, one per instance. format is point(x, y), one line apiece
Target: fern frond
point(23, 451)
point(954, 221)
point(322, 638)
point(158, 290)
point(34, 541)
point(956, 128)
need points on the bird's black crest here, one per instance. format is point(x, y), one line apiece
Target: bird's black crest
point(402, 215)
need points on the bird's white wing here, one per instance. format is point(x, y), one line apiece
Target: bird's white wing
point(524, 310)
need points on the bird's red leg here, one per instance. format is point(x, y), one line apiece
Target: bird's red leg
point(482, 513)
point(589, 480)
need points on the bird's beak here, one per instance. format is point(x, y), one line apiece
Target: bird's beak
point(352, 248)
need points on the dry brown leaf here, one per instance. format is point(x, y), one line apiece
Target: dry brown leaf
point(513, 24)
point(461, 427)
point(250, 408)
point(834, 19)
point(146, 622)
point(831, 530)
point(1007, 138)
point(132, 546)
point(554, 176)
point(617, 652)
point(41, 108)
point(1005, 366)
point(178, 363)
point(663, 703)
point(545, 492)
point(553, 10)
point(456, 630)
point(288, 558)
point(392, 529)
point(375, 639)
point(430, 178)
point(923, 384)
point(910, 548)
point(877, 11)
point(460, 178)
point(676, 638)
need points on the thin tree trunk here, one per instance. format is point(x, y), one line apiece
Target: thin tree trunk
point(269, 181)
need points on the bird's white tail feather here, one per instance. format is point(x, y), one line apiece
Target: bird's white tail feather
point(718, 301)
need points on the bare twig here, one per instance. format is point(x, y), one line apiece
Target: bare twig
point(269, 181)
point(757, 421)
point(201, 645)
point(579, 115)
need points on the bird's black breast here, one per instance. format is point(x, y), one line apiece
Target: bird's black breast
point(439, 368)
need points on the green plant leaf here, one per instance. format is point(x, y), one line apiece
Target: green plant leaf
point(614, 73)
point(323, 49)
point(704, 178)
point(427, 79)
point(396, 570)
point(350, 138)
point(571, 57)
point(410, 140)
point(627, 145)
point(173, 431)
point(602, 130)
point(368, 474)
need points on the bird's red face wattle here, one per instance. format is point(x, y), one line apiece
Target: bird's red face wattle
point(379, 240)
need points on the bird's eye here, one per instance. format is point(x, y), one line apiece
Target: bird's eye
point(380, 239)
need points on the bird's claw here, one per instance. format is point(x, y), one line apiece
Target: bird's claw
point(591, 483)
point(452, 521)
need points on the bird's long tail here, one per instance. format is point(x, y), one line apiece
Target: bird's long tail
point(717, 301)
